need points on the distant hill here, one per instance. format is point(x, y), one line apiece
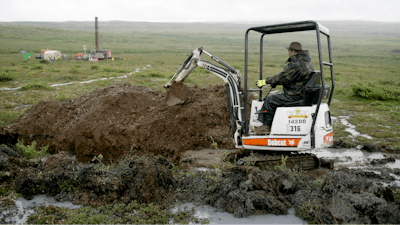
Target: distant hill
point(340, 28)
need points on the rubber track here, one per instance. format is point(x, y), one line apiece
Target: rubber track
point(303, 161)
point(268, 161)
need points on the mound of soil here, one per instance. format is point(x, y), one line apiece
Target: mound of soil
point(115, 120)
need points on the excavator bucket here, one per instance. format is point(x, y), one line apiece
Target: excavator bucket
point(178, 94)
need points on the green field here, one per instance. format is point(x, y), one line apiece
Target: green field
point(366, 60)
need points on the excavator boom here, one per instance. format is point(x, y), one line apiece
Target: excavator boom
point(177, 94)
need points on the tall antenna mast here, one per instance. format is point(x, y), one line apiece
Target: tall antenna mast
point(96, 34)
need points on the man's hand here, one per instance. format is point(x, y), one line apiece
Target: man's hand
point(269, 81)
point(261, 83)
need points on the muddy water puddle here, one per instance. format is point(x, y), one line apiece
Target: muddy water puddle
point(351, 128)
point(394, 165)
point(357, 159)
point(215, 217)
point(348, 158)
point(23, 208)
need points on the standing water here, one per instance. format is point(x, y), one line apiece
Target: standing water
point(23, 208)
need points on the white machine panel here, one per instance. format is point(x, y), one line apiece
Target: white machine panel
point(287, 120)
point(291, 129)
point(293, 120)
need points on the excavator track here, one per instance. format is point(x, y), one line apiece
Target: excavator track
point(268, 161)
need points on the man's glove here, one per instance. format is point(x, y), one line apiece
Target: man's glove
point(261, 83)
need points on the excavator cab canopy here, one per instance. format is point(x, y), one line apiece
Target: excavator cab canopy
point(287, 28)
point(291, 27)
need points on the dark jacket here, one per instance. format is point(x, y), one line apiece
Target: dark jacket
point(295, 74)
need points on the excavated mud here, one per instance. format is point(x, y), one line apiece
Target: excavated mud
point(145, 179)
point(347, 197)
point(329, 196)
point(241, 191)
point(113, 120)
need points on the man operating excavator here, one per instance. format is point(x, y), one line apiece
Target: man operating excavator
point(293, 78)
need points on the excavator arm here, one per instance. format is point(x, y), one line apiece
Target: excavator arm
point(227, 73)
point(194, 60)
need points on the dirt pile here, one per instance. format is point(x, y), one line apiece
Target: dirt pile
point(113, 120)
point(145, 179)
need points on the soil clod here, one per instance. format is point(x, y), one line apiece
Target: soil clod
point(178, 94)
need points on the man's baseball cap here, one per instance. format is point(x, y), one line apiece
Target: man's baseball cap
point(295, 46)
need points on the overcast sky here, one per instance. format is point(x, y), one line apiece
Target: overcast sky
point(199, 10)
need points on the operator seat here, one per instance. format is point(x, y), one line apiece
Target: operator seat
point(312, 89)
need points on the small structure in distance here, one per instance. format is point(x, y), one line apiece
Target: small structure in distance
point(51, 54)
point(25, 55)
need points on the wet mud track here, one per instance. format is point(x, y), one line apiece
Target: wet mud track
point(324, 196)
point(145, 145)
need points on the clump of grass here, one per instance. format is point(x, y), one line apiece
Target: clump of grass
point(4, 76)
point(132, 213)
point(214, 144)
point(106, 74)
point(35, 86)
point(31, 73)
point(389, 82)
point(44, 61)
point(149, 74)
point(372, 91)
point(294, 174)
point(123, 71)
point(310, 211)
point(7, 194)
point(36, 67)
point(67, 77)
point(6, 117)
point(341, 91)
point(116, 70)
point(62, 96)
point(159, 62)
point(6, 70)
point(52, 69)
point(30, 152)
point(109, 70)
point(95, 67)
point(74, 70)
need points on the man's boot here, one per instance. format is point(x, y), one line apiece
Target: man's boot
point(263, 129)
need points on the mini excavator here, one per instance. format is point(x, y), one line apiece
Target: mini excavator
point(297, 127)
